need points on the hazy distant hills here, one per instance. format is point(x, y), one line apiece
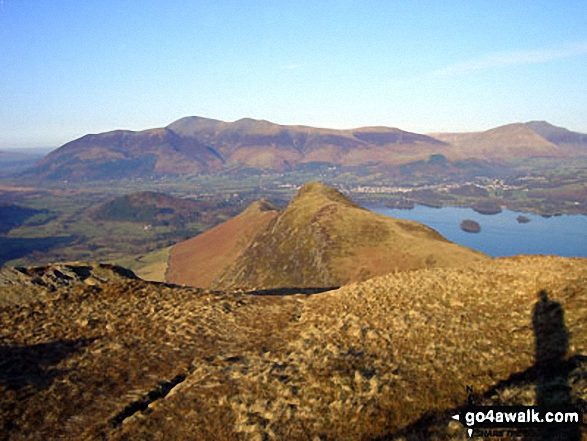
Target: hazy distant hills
point(559, 135)
point(195, 145)
point(504, 143)
point(321, 239)
point(264, 145)
point(14, 161)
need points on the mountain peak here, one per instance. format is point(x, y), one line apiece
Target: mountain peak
point(260, 206)
point(544, 128)
point(537, 123)
point(557, 135)
point(317, 189)
point(251, 121)
point(191, 125)
point(321, 239)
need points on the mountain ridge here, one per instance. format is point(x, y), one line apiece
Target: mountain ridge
point(320, 239)
point(216, 248)
point(202, 145)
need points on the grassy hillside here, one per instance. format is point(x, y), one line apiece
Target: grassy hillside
point(200, 260)
point(389, 358)
point(323, 239)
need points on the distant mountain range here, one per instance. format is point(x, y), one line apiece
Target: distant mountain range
point(15, 161)
point(194, 145)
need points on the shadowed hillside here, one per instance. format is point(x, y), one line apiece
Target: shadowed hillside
point(388, 358)
point(125, 154)
point(149, 207)
point(12, 215)
point(321, 239)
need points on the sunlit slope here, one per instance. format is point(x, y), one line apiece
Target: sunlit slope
point(151, 266)
point(199, 260)
point(323, 239)
point(137, 360)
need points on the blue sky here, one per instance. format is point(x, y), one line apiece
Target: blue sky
point(70, 67)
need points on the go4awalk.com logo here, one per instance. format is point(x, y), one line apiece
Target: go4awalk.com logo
point(484, 420)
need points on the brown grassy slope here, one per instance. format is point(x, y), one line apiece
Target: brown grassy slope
point(365, 361)
point(199, 260)
point(323, 239)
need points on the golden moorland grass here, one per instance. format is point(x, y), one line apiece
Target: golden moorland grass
point(129, 359)
point(321, 239)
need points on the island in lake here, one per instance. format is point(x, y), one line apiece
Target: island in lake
point(470, 226)
point(487, 207)
point(523, 219)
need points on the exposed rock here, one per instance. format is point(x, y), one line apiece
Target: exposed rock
point(40, 281)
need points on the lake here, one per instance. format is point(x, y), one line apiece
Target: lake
point(501, 234)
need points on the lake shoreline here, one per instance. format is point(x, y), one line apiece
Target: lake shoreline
point(501, 234)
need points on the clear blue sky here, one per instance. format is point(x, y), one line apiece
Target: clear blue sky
point(71, 67)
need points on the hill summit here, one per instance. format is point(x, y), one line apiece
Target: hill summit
point(150, 207)
point(321, 239)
